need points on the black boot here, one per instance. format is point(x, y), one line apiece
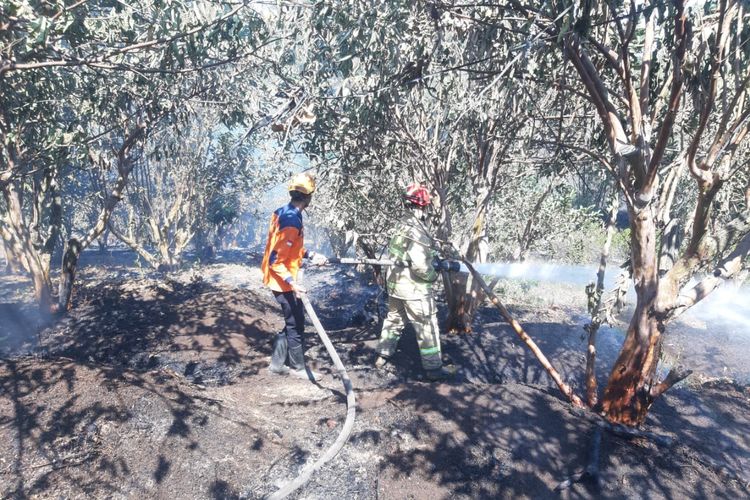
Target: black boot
point(297, 366)
point(440, 374)
point(279, 355)
point(380, 362)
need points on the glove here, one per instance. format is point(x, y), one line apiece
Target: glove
point(450, 266)
point(298, 289)
point(400, 263)
point(318, 259)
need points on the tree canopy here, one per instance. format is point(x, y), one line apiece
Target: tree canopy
point(532, 123)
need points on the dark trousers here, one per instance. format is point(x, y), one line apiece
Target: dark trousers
point(294, 317)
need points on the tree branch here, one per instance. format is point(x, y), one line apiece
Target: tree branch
point(665, 131)
point(700, 171)
point(726, 269)
point(648, 44)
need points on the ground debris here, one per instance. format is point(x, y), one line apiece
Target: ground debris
point(156, 388)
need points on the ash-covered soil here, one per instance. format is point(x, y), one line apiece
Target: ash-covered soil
point(156, 387)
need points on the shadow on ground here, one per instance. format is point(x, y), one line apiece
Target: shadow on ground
point(116, 391)
point(156, 388)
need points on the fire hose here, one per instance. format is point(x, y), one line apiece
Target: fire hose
point(374, 262)
point(307, 471)
point(515, 325)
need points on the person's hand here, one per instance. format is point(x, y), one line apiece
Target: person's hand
point(318, 259)
point(297, 288)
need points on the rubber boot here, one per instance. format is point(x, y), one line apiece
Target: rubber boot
point(297, 366)
point(279, 355)
point(439, 374)
point(380, 362)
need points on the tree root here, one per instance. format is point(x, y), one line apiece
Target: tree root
point(630, 433)
point(591, 472)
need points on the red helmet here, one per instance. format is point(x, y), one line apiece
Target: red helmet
point(417, 194)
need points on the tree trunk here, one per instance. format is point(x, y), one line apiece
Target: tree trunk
point(75, 247)
point(370, 253)
point(162, 244)
point(465, 293)
point(137, 247)
point(68, 273)
point(13, 260)
point(628, 395)
point(103, 242)
point(47, 192)
point(21, 244)
point(526, 239)
point(205, 250)
point(596, 305)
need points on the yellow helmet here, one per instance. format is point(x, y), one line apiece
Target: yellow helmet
point(303, 182)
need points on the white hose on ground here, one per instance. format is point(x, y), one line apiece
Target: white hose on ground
point(308, 470)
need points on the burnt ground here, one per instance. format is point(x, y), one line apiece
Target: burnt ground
point(155, 387)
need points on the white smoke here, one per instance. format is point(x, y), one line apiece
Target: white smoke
point(712, 337)
point(545, 271)
point(726, 307)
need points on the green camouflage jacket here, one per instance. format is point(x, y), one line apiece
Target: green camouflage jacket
point(412, 244)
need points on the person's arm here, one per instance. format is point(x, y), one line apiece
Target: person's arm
point(316, 259)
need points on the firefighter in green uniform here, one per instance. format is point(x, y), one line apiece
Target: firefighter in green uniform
point(410, 284)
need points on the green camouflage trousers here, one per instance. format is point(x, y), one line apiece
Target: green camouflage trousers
point(422, 314)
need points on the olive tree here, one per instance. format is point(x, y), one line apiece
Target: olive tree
point(668, 84)
point(409, 92)
point(87, 84)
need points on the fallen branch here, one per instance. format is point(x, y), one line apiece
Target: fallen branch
point(591, 472)
point(564, 387)
point(75, 460)
point(631, 433)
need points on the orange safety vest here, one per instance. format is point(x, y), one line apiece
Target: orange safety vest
point(284, 248)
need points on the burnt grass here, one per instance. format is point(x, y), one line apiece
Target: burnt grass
point(156, 386)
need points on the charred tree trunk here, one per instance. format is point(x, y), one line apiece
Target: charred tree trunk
point(68, 273)
point(75, 247)
point(627, 397)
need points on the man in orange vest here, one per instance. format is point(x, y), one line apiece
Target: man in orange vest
point(281, 262)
